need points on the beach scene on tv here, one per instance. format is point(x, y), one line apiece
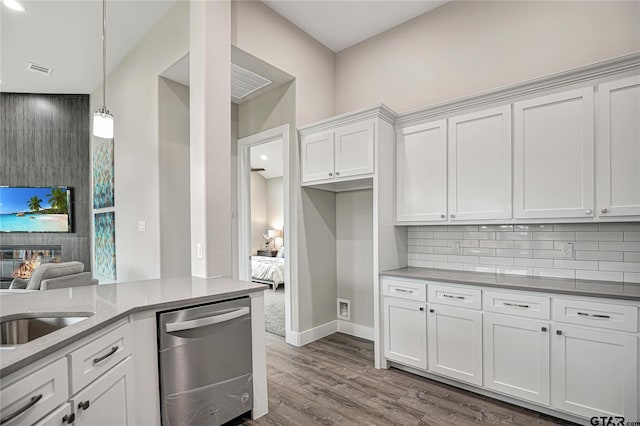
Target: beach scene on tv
point(34, 209)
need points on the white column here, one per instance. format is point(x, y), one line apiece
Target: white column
point(210, 152)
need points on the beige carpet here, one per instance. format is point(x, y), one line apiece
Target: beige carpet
point(274, 311)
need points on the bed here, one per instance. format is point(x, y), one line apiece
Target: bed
point(268, 270)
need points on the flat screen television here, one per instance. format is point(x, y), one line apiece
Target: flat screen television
point(35, 209)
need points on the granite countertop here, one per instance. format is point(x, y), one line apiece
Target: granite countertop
point(109, 303)
point(613, 290)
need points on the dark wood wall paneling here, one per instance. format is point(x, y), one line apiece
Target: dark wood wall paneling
point(45, 141)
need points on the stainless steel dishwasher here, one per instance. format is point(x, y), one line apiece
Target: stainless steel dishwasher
point(204, 355)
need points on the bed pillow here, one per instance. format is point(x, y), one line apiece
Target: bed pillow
point(280, 252)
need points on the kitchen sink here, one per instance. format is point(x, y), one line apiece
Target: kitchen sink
point(24, 328)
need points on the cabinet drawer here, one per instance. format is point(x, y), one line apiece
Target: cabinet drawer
point(463, 297)
point(522, 305)
point(56, 418)
point(404, 289)
point(35, 395)
point(97, 357)
point(596, 314)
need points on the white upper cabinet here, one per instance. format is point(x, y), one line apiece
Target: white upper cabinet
point(480, 165)
point(619, 148)
point(554, 156)
point(317, 157)
point(354, 150)
point(422, 172)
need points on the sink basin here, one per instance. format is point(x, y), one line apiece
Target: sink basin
point(25, 328)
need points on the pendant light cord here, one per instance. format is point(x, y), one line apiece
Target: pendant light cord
point(104, 54)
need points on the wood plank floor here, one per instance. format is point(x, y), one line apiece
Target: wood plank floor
point(333, 382)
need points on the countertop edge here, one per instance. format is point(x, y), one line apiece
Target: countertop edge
point(399, 273)
point(14, 367)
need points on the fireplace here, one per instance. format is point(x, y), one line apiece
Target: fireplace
point(20, 261)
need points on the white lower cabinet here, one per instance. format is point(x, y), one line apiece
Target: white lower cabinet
point(455, 343)
point(405, 332)
point(108, 400)
point(516, 357)
point(577, 356)
point(594, 372)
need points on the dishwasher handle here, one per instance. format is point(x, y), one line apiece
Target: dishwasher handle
point(203, 322)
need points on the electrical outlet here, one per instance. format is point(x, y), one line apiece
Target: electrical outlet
point(142, 226)
point(456, 247)
point(199, 250)
point(566, 250)
point(344, 309)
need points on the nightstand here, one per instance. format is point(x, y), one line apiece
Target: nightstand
point(267, 253)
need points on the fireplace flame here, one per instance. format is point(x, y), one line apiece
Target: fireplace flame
point(26, 268)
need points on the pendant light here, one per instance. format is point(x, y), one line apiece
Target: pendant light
point(102, 118)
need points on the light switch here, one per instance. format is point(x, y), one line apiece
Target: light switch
point(200, 250)
point(142, 226)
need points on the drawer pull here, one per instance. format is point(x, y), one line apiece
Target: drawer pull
point(515, 305)
point(103, 357)
point(83, 405)
point(544, 328)
point(454, 297)
point(69, 418)
point(559, 332)
point(34, 400)
point(584, 314)
point(421, 308)
point(431, 310)
point(402, 290)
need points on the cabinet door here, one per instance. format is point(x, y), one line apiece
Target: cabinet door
point(354, 150)
point(480, 165)
point(405, 332)
point(553, 156)
point(516, 357)
point(619, 148)
point(62, 416)
point(317, 157)
point(108, 400)
point(594, 373)
point(455, 343)
point(422, 173)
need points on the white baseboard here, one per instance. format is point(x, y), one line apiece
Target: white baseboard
point(326, 329)
point(355, 330)
point(313, 334)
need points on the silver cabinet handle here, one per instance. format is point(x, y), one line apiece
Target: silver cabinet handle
point(584, 314)
point(588, 211)
point(203, 322)
point(454, 297)
point(33, 401)
point(605, 211)
point(402, 290)
point(515, 305)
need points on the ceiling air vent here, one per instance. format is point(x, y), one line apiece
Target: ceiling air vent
point(245, 82)
point(40, 69)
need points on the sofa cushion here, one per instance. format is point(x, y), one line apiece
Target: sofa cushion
point(53, 270)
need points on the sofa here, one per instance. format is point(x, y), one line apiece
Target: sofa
point(50, 276)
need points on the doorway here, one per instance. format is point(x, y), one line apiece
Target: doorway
point(264, 231)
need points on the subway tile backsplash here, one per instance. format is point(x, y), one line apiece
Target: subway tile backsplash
point(606, 251)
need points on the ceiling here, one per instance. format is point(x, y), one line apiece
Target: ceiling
point(67, 36)
point(268, 156)
point(339, 24)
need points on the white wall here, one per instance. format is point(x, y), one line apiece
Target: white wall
point(275, 203)
point(354, 253)
point(259, 31)
point(465, 47)
point(175, 223)
point(132, 97)
point(258, 212)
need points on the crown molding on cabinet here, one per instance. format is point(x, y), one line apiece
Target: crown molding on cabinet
point(512, 92)
point(380, 111)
